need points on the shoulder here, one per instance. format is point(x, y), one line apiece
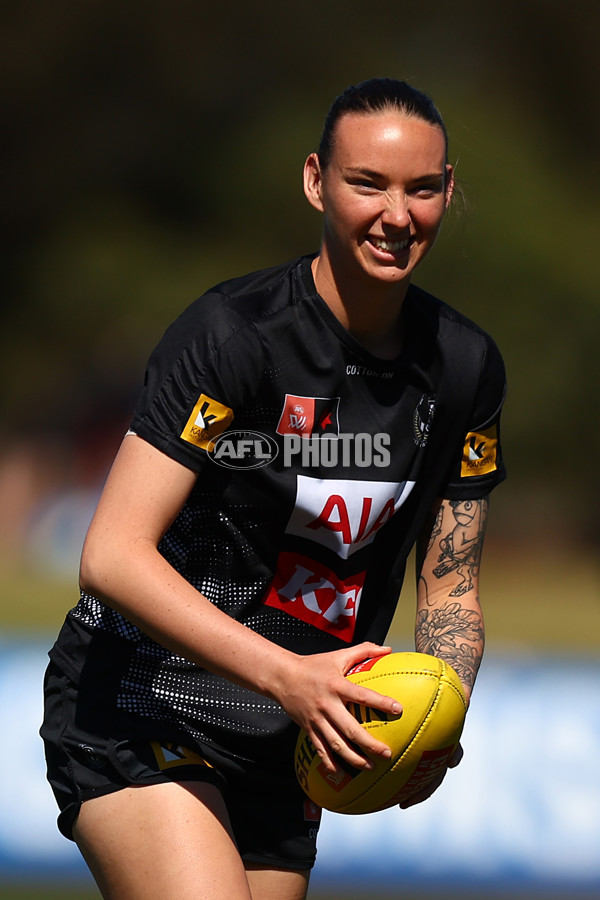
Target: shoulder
point(234, 309)
point(256, 294)
point(262, 285)
point(439, 314)
point(457, 336)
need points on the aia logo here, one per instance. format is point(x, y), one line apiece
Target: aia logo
point(311, 592)
point(344, 515)
point(309, 416)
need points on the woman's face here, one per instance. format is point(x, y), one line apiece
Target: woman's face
point(383, 194)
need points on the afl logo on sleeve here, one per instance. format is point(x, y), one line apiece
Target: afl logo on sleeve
point(480, 452)
point(208, 420)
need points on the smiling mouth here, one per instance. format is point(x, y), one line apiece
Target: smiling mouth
point(389, 246)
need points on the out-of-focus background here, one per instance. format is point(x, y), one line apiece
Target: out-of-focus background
point(152, 149)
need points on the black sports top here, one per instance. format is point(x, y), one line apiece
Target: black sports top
point(317, 466)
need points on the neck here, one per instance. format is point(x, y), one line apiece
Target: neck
point(372, 314)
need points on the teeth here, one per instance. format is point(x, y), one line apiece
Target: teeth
point(391, 246)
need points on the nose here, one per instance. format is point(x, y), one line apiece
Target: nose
point(396, 212)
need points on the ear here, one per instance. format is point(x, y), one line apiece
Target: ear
point(313, 182)
point(449, 184)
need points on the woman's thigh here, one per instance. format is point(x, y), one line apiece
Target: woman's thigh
point(277, 884)
point(162, 842)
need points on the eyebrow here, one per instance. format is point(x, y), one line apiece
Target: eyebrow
point(371, 173)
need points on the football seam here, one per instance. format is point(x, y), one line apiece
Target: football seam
point(439, 675)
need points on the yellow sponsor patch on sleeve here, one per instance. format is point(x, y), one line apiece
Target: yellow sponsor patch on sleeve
point(480, 452)
point(208, 420)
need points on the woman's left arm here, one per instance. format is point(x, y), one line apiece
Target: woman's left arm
point(449, 621)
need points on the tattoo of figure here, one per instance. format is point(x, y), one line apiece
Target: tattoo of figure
point(461, 548)
point(444, 627)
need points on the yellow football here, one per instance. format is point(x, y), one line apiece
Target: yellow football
point(422, 738)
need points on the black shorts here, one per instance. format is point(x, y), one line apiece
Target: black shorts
point(274, 824)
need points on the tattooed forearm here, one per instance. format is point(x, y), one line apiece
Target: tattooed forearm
point(448, 568)
point(454, 634)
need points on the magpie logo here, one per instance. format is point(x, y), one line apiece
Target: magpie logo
point(422, 419)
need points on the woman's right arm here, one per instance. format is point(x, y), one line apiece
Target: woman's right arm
point(122, 566)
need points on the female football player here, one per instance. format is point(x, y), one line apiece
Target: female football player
point(299, 430)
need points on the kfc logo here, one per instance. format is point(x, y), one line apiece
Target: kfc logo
point(310, 591)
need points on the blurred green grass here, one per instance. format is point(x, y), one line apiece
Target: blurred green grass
point(544, 600)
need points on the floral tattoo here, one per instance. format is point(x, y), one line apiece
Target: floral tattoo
point(444, 632)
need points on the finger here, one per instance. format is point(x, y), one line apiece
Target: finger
point(366, 650)
point(427, 791)
point(335, 749)
point(364, 696)
point(358, 742)
point(423, 794)
point(456, 757)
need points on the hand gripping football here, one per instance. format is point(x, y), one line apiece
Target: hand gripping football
point(422, 739)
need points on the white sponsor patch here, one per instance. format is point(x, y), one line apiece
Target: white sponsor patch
point(344, 515)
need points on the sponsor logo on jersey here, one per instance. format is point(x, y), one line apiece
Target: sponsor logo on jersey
point(344, 515)
point(169, 756)
point(480, 452)
point(309, 416)
point(243, 450)
point(208, 420)
point(311, 592)
point(365, 372)
point(422, 419)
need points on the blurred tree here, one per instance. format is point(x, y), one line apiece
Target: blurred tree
point(155, 148)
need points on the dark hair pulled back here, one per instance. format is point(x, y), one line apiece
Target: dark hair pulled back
point(372, 96)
